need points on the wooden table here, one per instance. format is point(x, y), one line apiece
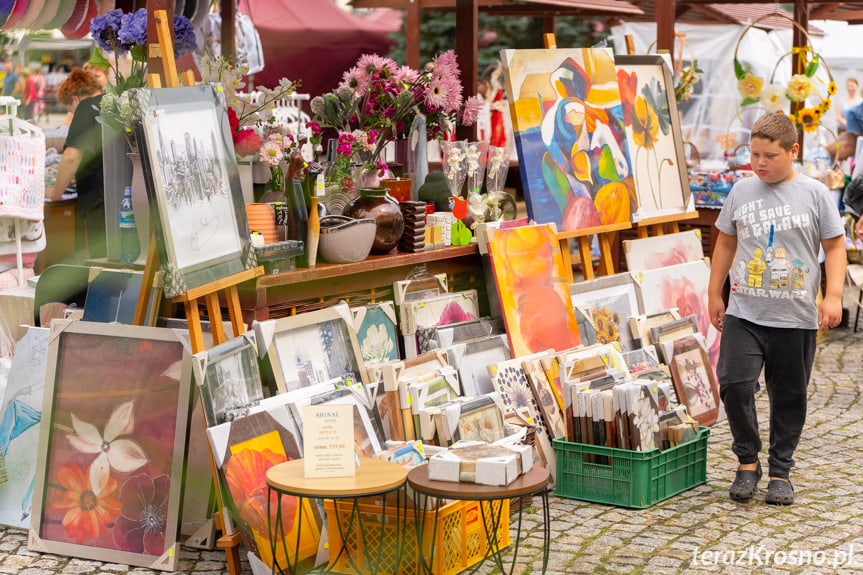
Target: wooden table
point(374, 477)
point(278, 295)
point(531, 483)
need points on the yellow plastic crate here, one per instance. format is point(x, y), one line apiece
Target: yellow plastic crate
point(460, 541)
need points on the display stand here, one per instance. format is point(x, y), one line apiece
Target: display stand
point(209, 292)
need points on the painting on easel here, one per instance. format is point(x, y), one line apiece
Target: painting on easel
point(653, 135)
point(193, 184)
point(568, 124)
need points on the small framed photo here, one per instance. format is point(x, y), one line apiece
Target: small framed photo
point(607, 303)
point(193, 185)
point(231, 381)
point(481, 419)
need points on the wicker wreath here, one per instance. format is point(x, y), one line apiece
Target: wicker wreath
point(802, 84)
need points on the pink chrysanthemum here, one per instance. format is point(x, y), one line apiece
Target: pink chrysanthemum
point(472, 109)
point(437, 93)
point(446, 65)
point(271, 153)
point(357, 79)
point(406, 75)
point(373, 64)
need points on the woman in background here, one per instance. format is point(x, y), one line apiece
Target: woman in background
point(848, 102)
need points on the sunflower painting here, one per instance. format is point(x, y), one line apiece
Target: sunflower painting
point(653, 136)
point(568, 125)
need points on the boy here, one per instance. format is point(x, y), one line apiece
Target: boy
point(772, 322)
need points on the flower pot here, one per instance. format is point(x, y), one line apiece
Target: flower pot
point(344, 240)
point(375, 203)
point(262, 219)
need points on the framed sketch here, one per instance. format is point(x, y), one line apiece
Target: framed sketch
point(694, 382)
point(568, 125)
point(375, 324)
point(653, 135)
point(608, 303)
point(193, 185)
point(662, 251)
point(243, 451)
point(112, 445)
point(231, 381)
point(20, 413)
point(682, 286)
point(480, 420)
point(312, 348)
point(471, 358)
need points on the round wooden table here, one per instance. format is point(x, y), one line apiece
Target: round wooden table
point(531, 483)
point(373, 477)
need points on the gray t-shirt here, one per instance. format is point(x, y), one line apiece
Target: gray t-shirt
point(779, 228)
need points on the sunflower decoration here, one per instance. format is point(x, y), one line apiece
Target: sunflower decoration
point(803, 85)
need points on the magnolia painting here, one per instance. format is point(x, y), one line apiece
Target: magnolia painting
point(569, 132)
point(531, 284)
point(653, 135)
point(375, 325)
point(113, 440)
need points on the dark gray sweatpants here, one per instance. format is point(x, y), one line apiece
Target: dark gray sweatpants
point(786, 356)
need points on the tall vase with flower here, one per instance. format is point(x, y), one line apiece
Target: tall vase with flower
point(121, 49)
point(378, 100)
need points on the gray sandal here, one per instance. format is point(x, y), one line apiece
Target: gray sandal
point(745, 484)
point(779, 492)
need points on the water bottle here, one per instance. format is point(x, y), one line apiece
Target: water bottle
point(130, 249)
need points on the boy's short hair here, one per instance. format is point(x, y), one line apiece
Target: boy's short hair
point(776, 127)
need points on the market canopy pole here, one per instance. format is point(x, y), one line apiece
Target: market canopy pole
point(801, 16)
point(412, 34)
point(664, 14)
point(466, 38)
point(229, 10)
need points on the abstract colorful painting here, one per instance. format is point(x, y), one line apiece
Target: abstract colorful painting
point(20, 413)
point(532, 288)
point(569, 133)
point(112, 441)
point(653, 135)
point(684, 287)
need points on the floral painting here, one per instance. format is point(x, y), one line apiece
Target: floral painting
point(663, 251)
point(244, 450)
point(608, 303)
point(684, 287)
point(114, 439)
point(510, 381)
point(694, 382)
point(20, 414)
point(569, 132)
point(653, 135)
point(532, 288)
point(645, 418)
point(544, 396)
point(480, 420)
point(376, 332)
point(439, 310)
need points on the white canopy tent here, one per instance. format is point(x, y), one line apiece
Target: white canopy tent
point(713, 109)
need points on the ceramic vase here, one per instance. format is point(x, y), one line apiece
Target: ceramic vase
point(375, 203)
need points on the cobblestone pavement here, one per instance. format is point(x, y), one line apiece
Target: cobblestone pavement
point(698, 531)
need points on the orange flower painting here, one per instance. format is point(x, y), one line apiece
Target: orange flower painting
point(86, 515)
point(533, 291)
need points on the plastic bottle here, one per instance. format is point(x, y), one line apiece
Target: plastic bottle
point(130, 249)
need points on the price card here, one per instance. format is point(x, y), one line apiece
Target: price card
point(328, 441)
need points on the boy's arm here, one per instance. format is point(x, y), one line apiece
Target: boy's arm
point(830, 312)
point(720, 265)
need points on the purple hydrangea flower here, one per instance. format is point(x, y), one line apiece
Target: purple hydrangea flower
point(185, 41)
point(105, 30)
point(134, 29)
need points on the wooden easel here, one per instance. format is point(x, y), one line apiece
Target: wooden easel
point(603, 233)
point(210, 292)
point(657, 224)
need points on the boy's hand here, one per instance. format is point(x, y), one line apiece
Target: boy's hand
point(830, 312)
point(716, 309)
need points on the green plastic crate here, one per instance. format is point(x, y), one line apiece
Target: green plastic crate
point(631, 478)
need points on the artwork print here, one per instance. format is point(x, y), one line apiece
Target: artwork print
point(532, 288)
point(684, 287)
point(663, 251)
point(480, 420)
point(608, 303)
point(440, 310)
point(243, 451)
point(192, 180)
point(653, 135)
point(569, 133)
point(376, 332)
point(694, 382)
point(232, 381)
point(20, 414)
point(113, 440)
point(545, 398)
